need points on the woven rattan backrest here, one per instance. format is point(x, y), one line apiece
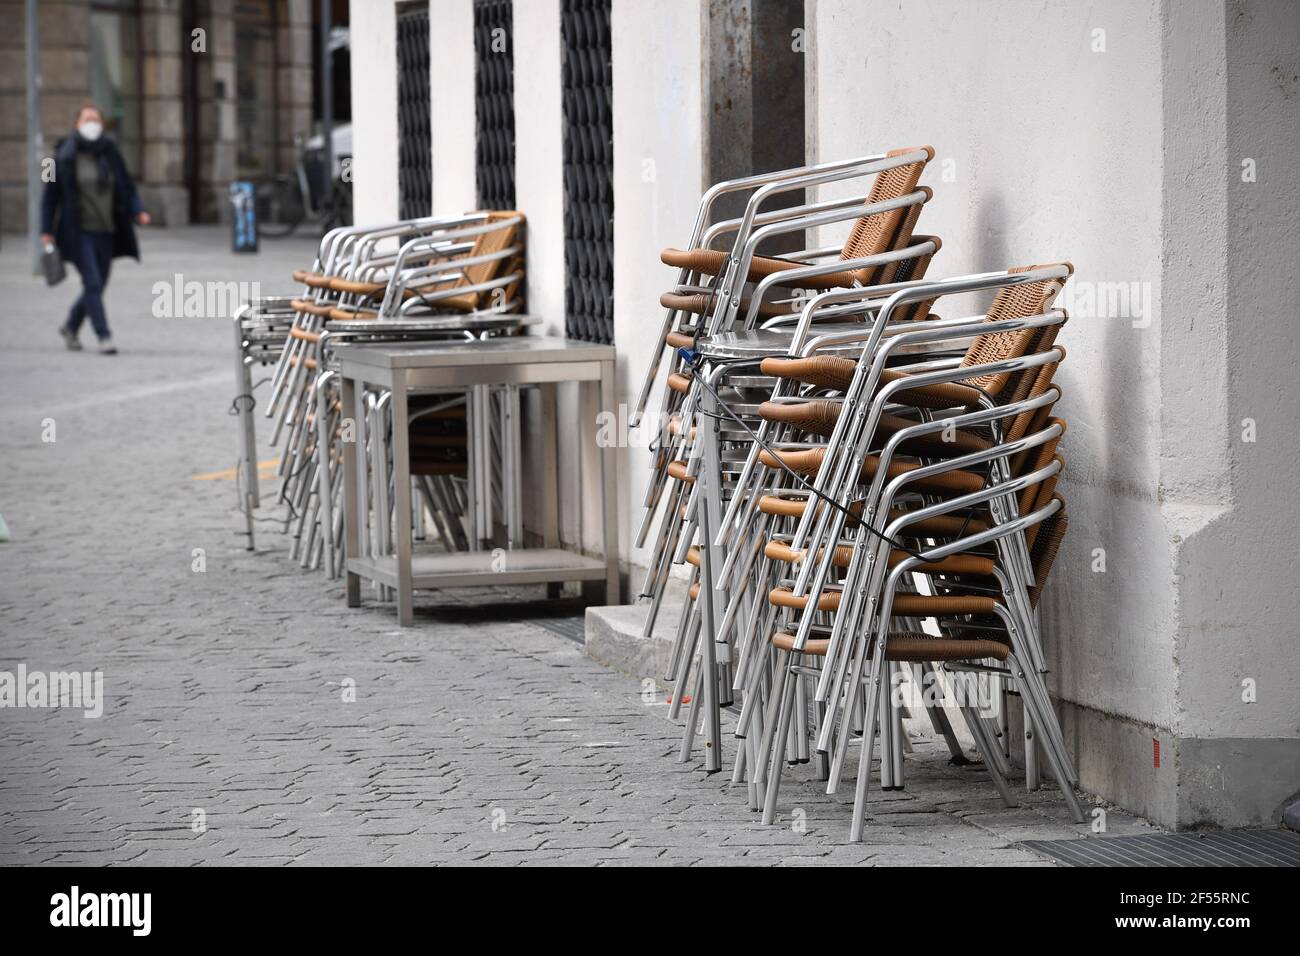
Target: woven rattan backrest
point(1021, 384)
point(1041, 457)
point(1013, 302)
point(486, 243)
point(877, 233)
point(1032, 383)
point(1046, 545)
point(910, 270)
point(901, 239)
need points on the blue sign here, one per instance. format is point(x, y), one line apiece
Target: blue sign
point(243, 217)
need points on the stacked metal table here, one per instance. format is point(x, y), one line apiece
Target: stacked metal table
point(407, 368)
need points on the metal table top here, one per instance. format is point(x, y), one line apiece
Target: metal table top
point(511, 350)
point(433, 323)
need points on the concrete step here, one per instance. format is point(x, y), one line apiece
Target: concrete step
point(614, 638)
point(1291, 817)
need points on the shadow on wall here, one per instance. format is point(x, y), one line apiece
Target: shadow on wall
point(993, 253)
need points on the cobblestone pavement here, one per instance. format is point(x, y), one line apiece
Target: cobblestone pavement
point(475, 736)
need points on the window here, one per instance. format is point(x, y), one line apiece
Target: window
point(494, 104)
point(115, 74)
point(414, 159)
point(587, 81)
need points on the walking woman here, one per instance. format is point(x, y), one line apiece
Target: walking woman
point(87, 211)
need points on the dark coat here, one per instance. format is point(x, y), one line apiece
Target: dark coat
point(61, 207)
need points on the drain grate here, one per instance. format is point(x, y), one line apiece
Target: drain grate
point(1235, 848)
point(574, 628)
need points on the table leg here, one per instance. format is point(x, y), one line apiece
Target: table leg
point(711, 598)
point(402, 502)
point(708, 651)
point(325, 494)
point(486, 519)
point(608, 487)
point(550, 479)
point(515, 534)
point(361, 433)
point(248, 435)
point(351, 538)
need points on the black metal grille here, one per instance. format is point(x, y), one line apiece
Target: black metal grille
point(494, 103)
point(414, 141)
point(588, 170)
point(1216, 848)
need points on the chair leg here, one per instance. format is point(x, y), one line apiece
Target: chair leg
point(679, 677)
point(741, 762)
point(823, 759)
point(692, 716)
point(684, 638)
point(849, 717)
point(938, 718)
point(1032, 782)
point(752, 701)
point(800, 718)
point(768, 742)
point(873, 695)
point(980, 719)
point(1053, 760)
point(788, 682)
point(986, 748)
point(886, 730)
point(898, 735)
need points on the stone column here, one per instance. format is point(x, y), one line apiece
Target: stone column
point(1231, 402)
point(755, 119)
point(162, 149)
point(216, 110)
point(66, 82)
point(451, 69)
point(660, 106)
point(294, 80)
point(373, 34)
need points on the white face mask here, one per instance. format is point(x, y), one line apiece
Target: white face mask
point(91, 130)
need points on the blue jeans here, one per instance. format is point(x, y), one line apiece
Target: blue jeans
point(94, 260)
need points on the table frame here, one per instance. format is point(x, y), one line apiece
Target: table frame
point(404, 368)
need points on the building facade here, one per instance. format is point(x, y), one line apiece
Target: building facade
point(196, 92)
point(1148, 142)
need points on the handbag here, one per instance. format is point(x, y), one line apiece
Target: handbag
point(52, 265)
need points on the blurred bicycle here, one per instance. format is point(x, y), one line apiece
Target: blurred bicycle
point(287, 200)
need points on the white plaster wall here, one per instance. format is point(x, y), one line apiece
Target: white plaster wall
point(374, 110)
point(539, 152)
point(539, 194)
point(451, 95)
point(1122, 152)
point(1109, 133)
point(1240, 607)
point(658, 178)
point(1232, 231)
point(1045, 151)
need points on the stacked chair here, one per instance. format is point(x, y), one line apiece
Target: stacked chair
point(881, 250)
point(858, 488)
point(448, 279)
point(261, 331)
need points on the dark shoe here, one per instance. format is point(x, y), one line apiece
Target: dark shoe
point(106, 347)
point(70, 338)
